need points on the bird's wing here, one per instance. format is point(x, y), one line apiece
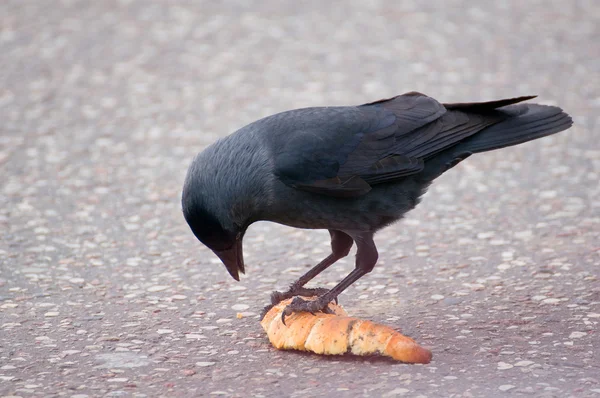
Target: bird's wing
point(343, 151)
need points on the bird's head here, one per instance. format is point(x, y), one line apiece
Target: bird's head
point(219, 203)
point(218, 232)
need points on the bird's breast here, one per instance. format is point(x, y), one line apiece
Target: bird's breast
point(383, 205)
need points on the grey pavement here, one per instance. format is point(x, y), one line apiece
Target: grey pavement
point(104, 291)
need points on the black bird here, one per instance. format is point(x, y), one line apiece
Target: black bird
point(351, 170)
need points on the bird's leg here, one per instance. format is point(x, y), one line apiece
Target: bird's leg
point(340, 247)
point(366, 257)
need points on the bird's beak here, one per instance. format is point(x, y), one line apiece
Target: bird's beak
point(233, 259)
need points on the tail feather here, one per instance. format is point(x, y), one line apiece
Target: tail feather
point(486, 106)
point(526, 123)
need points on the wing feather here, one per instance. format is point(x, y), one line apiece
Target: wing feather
point(343, 151)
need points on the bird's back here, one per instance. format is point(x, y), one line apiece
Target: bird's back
point(369, 164)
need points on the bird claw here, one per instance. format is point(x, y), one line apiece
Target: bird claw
point(298, 304)
point(277, 297)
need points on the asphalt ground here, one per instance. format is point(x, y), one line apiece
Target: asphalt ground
point(104, 291)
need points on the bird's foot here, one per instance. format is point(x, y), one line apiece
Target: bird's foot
point(298, 304)
point(277, 297)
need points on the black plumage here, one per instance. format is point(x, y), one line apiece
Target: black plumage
point(351, 170)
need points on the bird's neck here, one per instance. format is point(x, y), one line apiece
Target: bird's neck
point(248, 185)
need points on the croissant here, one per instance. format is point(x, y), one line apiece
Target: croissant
point(338, 333)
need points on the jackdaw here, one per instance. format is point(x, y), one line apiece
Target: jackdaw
point(351, 170)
